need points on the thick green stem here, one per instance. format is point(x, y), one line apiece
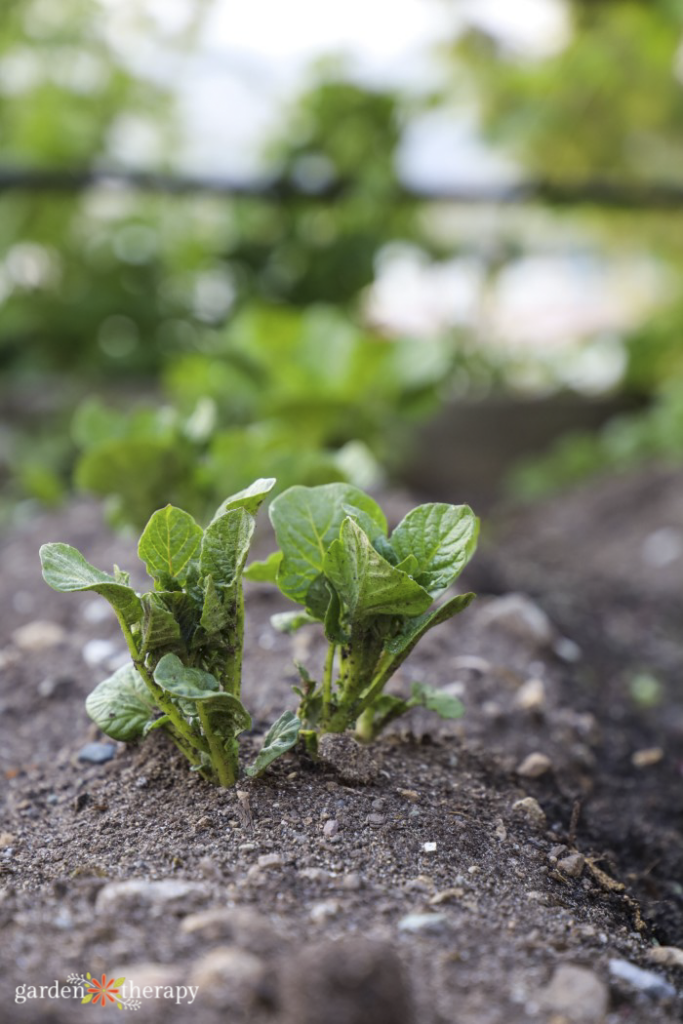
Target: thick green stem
point(327, 680)
point(165, 703)
point(191, 754)
point(232, 669)
point(224, 760)
point(364, 726)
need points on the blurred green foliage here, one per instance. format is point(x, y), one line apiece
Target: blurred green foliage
point(607, 107)
point(261, 396)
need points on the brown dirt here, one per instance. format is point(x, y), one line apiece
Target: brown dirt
point(506, 913)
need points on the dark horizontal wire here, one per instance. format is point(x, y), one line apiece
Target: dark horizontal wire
point(617, 195)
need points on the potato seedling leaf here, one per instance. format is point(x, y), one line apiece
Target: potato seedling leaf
point(366, 583)
point(280, 738)
point(289, 622)
point(432, 699)
point(181, 681)
point(65, 569)
point(159, 627)
point(442, 538)
point(414, 629)
point(250, 499)
point(169, 545)
point(306, 521)
point(225, 547)
point(266, 571)
point(121, 705)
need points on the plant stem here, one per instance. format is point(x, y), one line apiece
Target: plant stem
point(167, 706)
point(231, 675)
point(224, 761)
point(190, 754)
point(327, 680)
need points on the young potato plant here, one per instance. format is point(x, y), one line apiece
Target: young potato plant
point(372, 593)
point(185, 636)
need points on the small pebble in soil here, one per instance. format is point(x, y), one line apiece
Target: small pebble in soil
point(422, 923)
point(230, 978)
point(97, 753)
point(572, 865)
point(429, 847)
point(530, 809)
point(577, 994)
point(38, 635)
point(646, 758)
point(666, 956)
point(97, 651)
point(531, 695)
point(323, 911)
point(331, 827)
point(351, 981)
point(643, 981)
point(270, 860)
point(534, 765)
point(517, 615)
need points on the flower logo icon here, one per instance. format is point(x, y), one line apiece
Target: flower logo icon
point(104, 991)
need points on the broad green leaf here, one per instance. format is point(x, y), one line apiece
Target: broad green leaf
point(442, 538)
point(386, 704)
point(219, 611)
point(280, 738)
point(409, 565)
point(65, 569)
point(266, 571)
point(169, 544)
point(121, 706)
point(414, 629)
point(435, 700)
point(306, 521)
point(226, 713)
point(250, 499)
point(289, 622)
point(334, 632)
point(366, 583)
point(318, 597)
point(159, 626)
point(225, 547)
point(373, 529)
point(192, 686)
point(182, 681)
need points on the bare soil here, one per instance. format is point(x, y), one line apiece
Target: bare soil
point(432, 874)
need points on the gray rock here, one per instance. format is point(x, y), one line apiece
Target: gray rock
point(351, 761)
point(230, 978)
point(517, 615)
point(534, 765)
point(422, 922)
point(38, 636)
point(643, 981)
point(572, 865)
point(667, 956)
point(97, 753)
point(577, 994)
point(238, 926)
point(154, 897)
point(530, 809)
point(352, 981)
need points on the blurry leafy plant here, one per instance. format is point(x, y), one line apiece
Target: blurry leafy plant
point(185, 636)
point(372, 593)
point(280, 391)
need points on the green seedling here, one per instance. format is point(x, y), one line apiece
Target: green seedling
point(372, 593)
point(185, 636)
